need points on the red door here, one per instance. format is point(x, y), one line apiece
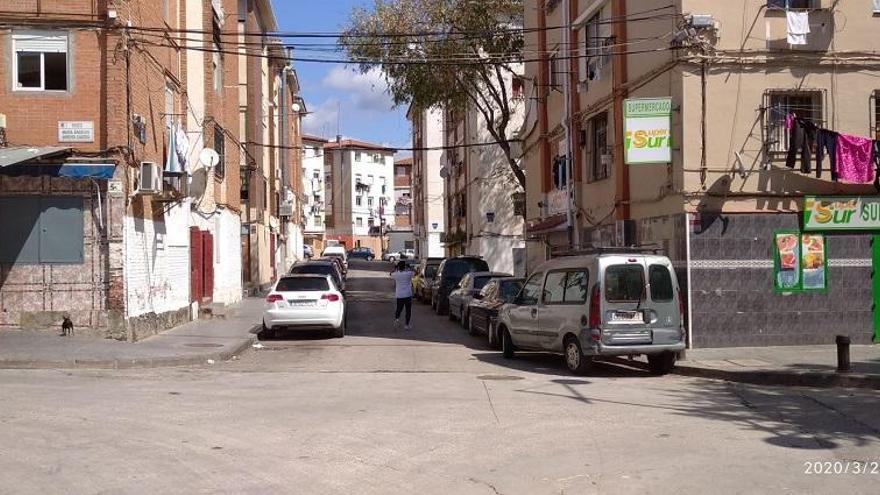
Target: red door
point(207, 266)
point(196, 255)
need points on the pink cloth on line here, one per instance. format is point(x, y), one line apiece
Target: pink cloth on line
point(789, 120)
point(854, 159)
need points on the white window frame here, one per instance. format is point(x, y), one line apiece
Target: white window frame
point(16, 35)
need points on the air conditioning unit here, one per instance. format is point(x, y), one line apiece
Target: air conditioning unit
point(285, 210)
point(150, 178)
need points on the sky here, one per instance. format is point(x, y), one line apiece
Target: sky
point(365, 109)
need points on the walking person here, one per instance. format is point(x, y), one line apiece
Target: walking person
point(403, 292)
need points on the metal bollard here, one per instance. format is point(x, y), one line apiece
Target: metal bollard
point(843, 363)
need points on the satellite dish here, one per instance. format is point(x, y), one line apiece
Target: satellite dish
point(296, 107)
point(444, 173)
point(209, 158)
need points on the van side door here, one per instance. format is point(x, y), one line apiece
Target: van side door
point(565, 306)
point(524, 313)
point(664, 315)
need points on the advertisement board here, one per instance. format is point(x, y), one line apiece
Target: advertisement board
point(648, 130)
point(800, 261)
point(822, 214)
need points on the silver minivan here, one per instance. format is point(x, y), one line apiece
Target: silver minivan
point(621, 304)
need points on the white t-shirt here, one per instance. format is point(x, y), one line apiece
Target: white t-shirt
point(402, 284)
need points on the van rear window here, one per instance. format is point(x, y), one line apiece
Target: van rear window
point(624, 283)
point(661, 283)
point(296, 284)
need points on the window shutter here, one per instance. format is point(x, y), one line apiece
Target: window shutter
point(56, 43)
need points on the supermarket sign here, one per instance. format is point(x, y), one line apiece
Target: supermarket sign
point(823, 214)
point(648, 130)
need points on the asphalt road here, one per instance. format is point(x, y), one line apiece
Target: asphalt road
point(432, 411)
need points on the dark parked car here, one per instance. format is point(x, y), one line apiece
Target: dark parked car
point(484, 308)
point(363, 253)
point(340, 263)
point(424, 277)
point(320, 267)
point(449, 275)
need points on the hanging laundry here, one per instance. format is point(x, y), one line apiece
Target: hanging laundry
point(789, 118)
point(877, 6)
point(855, 159)
point(182, 147)
point(172, 164)
point(876, 158)
point(798, 23)
point(801, 139)
point(826, 140)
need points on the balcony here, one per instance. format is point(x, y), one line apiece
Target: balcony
point(360, 186)
point(821, 30)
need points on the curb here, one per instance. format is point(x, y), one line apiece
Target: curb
point(785, 378)
point(137, 363)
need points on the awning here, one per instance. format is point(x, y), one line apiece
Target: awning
point(556, 223)
point(70, 170)
point(21, 154)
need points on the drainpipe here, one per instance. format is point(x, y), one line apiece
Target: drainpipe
point(544, 85)
point(571, 217)
point(620, 77)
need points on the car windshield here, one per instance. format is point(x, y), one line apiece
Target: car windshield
point(510, 289)
point(458, 268)
point(431, 271)
point(333, 255)
point(298, 284)
point(480, 282)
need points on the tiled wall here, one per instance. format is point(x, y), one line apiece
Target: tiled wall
point(734, 303)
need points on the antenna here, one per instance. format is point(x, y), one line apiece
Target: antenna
point(338, 112)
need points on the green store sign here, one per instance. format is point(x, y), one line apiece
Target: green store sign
point(822, 214)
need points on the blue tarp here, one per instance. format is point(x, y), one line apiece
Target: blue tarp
point(71, 170)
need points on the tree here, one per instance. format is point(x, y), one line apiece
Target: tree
point(449, 53)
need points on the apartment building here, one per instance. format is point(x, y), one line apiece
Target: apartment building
point(667, 126)
point(314, 188)
point(429, 198)
point(361, 191)
point(403, 192)
point(481, 190)
point(121, 171)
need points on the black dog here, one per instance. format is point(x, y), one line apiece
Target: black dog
point(67, 327)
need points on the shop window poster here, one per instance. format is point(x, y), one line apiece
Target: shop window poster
point(800, 262)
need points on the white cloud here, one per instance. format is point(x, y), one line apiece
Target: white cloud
point(366, 91)
point(321, 120)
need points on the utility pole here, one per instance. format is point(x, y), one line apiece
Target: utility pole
point(571, 214)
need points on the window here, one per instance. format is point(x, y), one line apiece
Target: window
point(661, 283)
point(316, 198)
point(358, 179)
point(302, 284)
point(624, 283)
point(597, 47)
point(371, 222)
point(358, 200)
point(509, 289)
point(217, 57)
point(599, 162)
point(576, 287)
point(530, 291)
point(400, 171)
point(357, 156)
point(516, 88)
point(41, 229)
point(318, 220)
point(371, 180)
point(791, 4)
point(359, 221)
point(370, 202)
point(805, 104)
point(554, 71)
point(220, 148)
point(40, 61)
point(316, 175)
point(554, 288)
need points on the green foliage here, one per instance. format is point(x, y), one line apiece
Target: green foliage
point(450, 53)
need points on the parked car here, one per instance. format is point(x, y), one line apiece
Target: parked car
point(449, 275)
point(308, 252)
point(583, 307)
point(337, 252)
point(470, 285)
point(424, 277)
point(338, 262)
point(304, 302)
point(320, 267)
point(486, 305)
point(363, 253)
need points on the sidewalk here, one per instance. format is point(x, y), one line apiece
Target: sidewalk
point(810, 366)
point(196, 342)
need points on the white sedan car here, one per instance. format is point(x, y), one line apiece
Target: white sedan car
point(304, 302)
